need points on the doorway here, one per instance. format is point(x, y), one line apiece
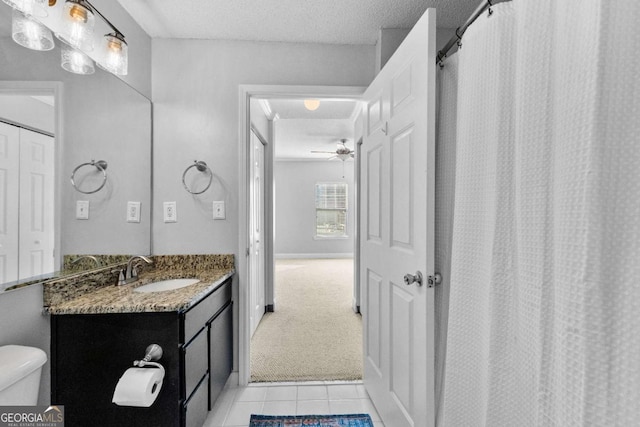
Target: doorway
point(292, 262)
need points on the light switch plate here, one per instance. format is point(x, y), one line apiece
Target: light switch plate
point(170, 212)
point(218, 210)
point(133, 211)
point(82, 209)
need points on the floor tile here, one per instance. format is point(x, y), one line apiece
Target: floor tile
point(240, 413)
point(378, 423)
point(282, 393)
point(312, 392)
point(347, 406)
point(362, 392)
point(221, 408)
point(313, 407)
point(279, 407)
point(368, 408)
point(251, 394)
point(338, 392)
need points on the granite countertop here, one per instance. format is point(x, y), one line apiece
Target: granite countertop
point(100, 294)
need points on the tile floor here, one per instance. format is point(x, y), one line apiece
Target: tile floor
point(236, 404)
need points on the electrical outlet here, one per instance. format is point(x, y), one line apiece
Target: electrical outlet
point(218, 210)
point(170, 212)
point(133, 212)
point(82, 209)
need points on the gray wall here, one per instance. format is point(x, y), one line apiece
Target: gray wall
point(195, 87)
point(27, 111)
point(296, 211)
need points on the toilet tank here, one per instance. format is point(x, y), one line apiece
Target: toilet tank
point(20, 369)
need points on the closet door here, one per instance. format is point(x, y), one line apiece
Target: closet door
point(36, 204)
point(9, 199)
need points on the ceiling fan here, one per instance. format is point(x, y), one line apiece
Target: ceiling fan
point(342, 151)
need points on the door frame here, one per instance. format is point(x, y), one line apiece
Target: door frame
point(48, 88)
point(246, 92)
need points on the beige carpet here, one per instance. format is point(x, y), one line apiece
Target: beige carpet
point(314, 334)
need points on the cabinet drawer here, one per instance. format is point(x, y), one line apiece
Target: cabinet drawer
point(196, 408)
point(197, 317)
point(196, 362)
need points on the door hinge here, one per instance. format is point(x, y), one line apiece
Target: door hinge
point(248, 252)
point(436, 279)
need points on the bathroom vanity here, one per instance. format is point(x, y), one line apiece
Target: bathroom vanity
point(95, 338)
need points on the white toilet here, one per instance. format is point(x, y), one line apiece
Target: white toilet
point(20, 369)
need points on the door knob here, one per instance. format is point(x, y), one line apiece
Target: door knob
point(409, 279)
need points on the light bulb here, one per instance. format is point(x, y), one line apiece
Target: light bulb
point(30, 33)
point(75, 61)
point(78, 21)
point(116, 54)
point(311, 104)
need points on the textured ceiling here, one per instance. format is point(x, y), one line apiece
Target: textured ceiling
point(319, 21)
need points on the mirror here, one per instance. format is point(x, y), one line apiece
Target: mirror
point(93, 117)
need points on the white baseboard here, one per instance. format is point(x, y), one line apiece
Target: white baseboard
point(313, 256)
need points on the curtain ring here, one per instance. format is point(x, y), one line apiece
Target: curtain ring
point(459, 41)
point(101, 165)
point(201, 167)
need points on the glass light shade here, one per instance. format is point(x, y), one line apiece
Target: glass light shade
point(75, 61)
point(37, 8)
point(116, 58)
point(311, 104)
point(78, 22)
point(29, 33)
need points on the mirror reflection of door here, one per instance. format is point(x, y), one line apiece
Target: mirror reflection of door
point(26, 198)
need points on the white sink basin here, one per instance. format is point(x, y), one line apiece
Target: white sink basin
point(166, 285)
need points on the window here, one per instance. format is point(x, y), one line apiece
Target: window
point(331, 210)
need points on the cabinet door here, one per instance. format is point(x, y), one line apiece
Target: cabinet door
point(221, 352)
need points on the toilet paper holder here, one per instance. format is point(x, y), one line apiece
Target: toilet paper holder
point(140, 385)
point(152, 353)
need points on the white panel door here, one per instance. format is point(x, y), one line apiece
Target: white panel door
point(9, 200)
point(256, 250)
point(397, 236)
point(36, 204)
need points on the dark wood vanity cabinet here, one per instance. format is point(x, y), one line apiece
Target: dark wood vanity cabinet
point(90, 352)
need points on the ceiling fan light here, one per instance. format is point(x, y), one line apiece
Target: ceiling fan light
point(29, 33)
point(37, 8)
point(116, 58)
point(75, 61)
point(311, 104)
point(78, 22)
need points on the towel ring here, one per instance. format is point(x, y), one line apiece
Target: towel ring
point(101, 165)
point(202, 167)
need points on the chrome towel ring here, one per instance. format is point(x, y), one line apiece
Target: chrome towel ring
point(201, 167)
point(101, 165)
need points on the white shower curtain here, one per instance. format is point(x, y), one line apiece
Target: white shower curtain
point(543, 325)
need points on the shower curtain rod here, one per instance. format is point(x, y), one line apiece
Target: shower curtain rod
point(486, 4)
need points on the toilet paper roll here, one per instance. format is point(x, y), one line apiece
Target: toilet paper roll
point(138, 387)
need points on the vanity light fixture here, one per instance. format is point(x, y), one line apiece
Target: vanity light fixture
point(75, 61)
point(78, 22)
point(37, 8)
point(29, 33)
point(116, 54)
point(311, 104)
point(75, 27)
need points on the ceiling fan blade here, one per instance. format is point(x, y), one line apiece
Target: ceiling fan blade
point(332, 157)
point(324, 152)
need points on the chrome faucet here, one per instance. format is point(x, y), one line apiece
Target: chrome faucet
point(131, 273)
point(80, 258)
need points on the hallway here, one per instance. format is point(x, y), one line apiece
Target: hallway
point(313, 335)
